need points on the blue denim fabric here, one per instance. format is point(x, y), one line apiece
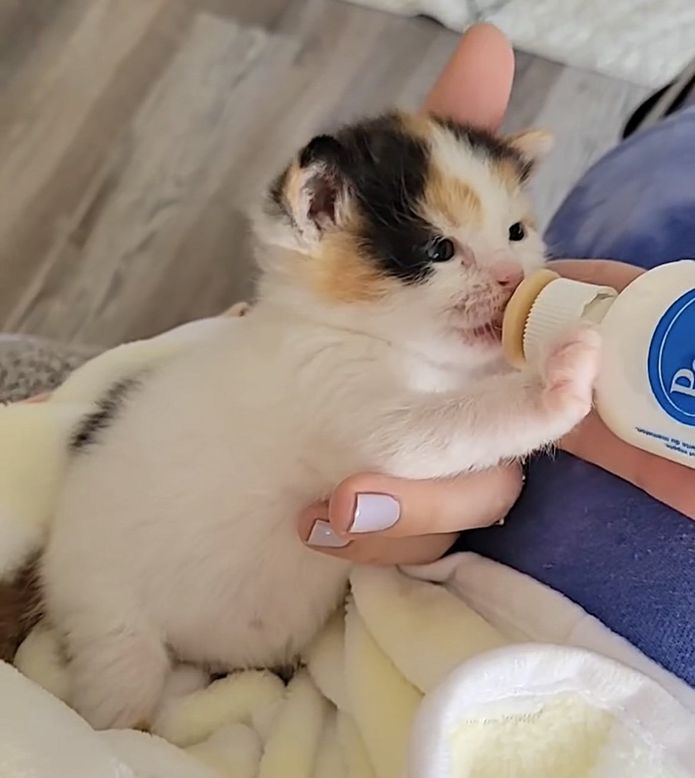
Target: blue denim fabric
point(621, 555)
point(637, 204)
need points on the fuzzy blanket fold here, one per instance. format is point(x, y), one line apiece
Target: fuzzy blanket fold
point(408, 682)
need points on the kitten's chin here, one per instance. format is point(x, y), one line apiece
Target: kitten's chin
point(478, 346)
point(483, 337)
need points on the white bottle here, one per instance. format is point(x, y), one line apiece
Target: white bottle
point(645, 392)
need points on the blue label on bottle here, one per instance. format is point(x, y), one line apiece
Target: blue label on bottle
point(671, 362)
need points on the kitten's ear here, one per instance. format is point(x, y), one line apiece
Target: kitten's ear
point(313, 190)
point(533, 145)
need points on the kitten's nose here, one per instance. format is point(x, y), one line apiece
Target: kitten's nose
point(507, 273)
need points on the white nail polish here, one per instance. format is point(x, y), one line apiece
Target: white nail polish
point(375, 512)
point(322, 536)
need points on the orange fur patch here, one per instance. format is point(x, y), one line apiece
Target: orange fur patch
point(448, 195)
point(417, 124)
point(508, 173)
point(532, 144)
point(456, 200)
point(344, 274)
point(444, 194)
point(293, 185)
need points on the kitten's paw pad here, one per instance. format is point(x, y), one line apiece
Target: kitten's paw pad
point(571, 367)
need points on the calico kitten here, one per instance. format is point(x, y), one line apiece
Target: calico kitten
point(388, 252)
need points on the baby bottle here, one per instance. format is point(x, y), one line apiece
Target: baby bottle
point(645, 392)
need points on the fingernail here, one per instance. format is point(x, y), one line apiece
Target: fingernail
point(375, 512)
point(322, 536)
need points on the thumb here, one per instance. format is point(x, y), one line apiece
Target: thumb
point(475, 85)
point(371, 504)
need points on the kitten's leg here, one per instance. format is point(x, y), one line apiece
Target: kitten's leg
point(503, 417)
point(118, 671)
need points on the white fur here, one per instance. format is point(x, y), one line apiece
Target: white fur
point(33, 451)
point(33, 459)
point(40, 658)
point(176, 531)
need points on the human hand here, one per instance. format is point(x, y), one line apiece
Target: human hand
point(425, 517)
point(668, 482)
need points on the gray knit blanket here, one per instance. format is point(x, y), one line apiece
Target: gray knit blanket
point(30, 365)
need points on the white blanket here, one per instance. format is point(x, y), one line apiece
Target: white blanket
point(648, 42)
point(491, 674)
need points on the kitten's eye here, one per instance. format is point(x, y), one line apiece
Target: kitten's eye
point(517, 231)
point(441, 250)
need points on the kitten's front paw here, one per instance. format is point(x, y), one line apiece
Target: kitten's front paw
point(570, 371)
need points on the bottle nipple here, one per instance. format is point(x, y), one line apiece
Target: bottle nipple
point(544, 305)
point(516, 314)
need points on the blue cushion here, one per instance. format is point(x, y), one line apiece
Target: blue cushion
point(637, 204)
point(621, 555)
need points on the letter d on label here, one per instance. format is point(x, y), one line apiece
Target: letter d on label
point(671, 362)
point(684, 388)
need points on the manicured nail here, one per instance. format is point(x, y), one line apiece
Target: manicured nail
point(375, 512)
point(322, 536)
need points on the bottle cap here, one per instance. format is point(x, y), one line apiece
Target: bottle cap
point(516, 313)
point(559, 305)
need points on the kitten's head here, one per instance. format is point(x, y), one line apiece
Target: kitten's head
point(411, 228)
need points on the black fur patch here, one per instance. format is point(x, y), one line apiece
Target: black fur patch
point(386, 169)
point(322, 148)
point(108, 407)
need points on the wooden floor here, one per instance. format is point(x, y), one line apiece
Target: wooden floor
point(133, 134)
